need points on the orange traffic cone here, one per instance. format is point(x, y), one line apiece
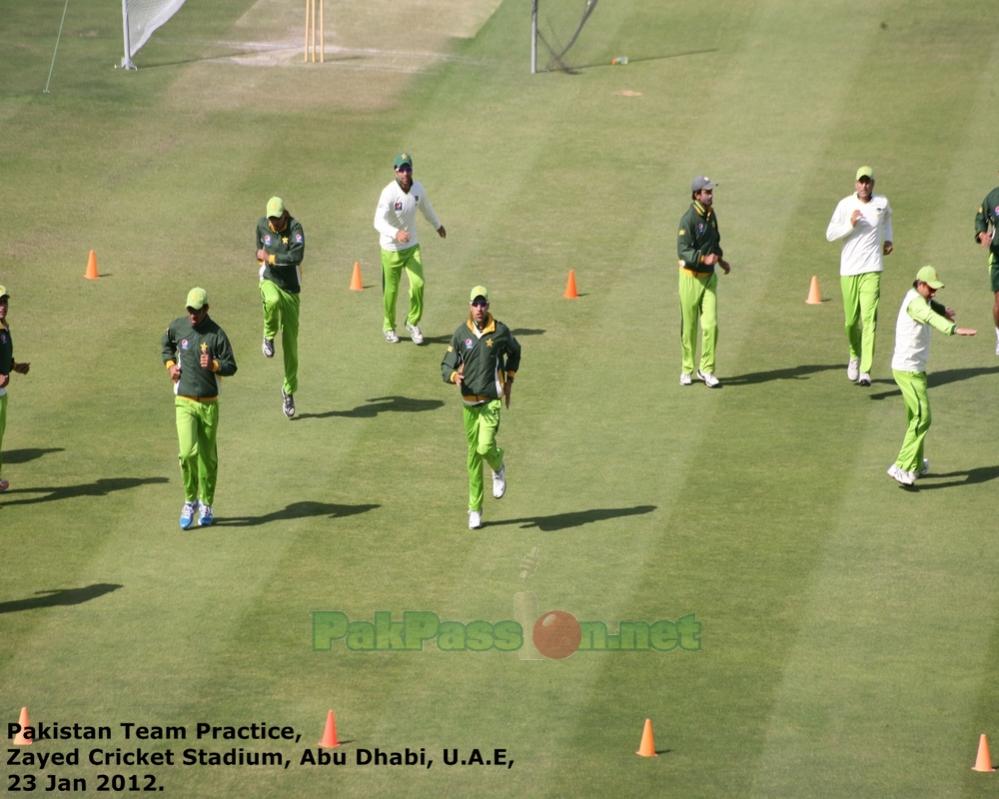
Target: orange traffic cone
point(20, 739)
point(91, 273)
point(814, 295)
point(570, 286)
point(984, 760)
point(648, 746)
point(355, 279)
point(329, 739)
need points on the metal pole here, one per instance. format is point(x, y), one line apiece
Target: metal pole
point(56, 48)
point(534, 36)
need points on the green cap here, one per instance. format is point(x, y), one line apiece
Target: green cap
point(479, 291)
point(929, 276)
point(865, 172)
point(275, 207)
point(3, 292)
point(403, 159)
point(197, 299)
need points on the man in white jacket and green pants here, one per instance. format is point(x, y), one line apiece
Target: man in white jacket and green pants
point(863, 221)
point(917, 315)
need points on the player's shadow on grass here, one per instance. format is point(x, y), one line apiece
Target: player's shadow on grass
point(939, 379)
point(377, 405)
point(981, 474)
point(519, 332)
point(296, 510)
point(99, 488)
point(59, 596)
point(802, 372)
point(25, 455)
point(563, 521)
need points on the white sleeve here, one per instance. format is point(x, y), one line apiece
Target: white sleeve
point(839, 225)
point(381, 223)
point(428, 211)
point(889, 233)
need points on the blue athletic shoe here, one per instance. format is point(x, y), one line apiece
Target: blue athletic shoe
point(187, 515)
point(207, 517)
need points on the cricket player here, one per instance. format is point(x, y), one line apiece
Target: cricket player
point(395, 221)
point(698, 249)
point(919, 313)
point(482, 360)
point(7, 366)
point(985, 227)
point(197, 353)
point(280, 250)
point(863, 221)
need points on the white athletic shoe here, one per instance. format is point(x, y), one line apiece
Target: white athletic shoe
point(864, 379)
point(685, 379)
point(474, 519)
point(901, 476)
point(187, 515)
point(415, 333)
point(267, 348)
point(853, 370)
point(206, 516)
point(391, 337)
point(924, 468)
point(709, 379)
point(997, 341)
point(499, 482)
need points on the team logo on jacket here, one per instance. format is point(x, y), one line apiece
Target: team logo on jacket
point(489, 342)
point(267, 239)
point(185, 344)
point(700, 227)
point(299, 238)
point(398, 205)
point(468, 344)
point(996, 211)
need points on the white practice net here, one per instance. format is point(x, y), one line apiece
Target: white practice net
point(140, 18)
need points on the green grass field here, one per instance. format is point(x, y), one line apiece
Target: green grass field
point(850, 629)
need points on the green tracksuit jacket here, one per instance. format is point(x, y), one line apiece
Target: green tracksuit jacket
point(183, 343)
point(698, 236)
point(285, 252)
point(486, 361)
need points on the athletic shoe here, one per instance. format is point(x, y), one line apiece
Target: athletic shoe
point(287, 404)
point(997, 341)
point(4, 485)
point(391, 337)
point(853, 370)
point(415, 333)
point(499, 482)
point(900, 475)
point(924, 468)
point(474, 519)
point(187, 515)
point(268, 348)
point(685, 379)
point(206, 517)
point(864, 379)
point(709, 379)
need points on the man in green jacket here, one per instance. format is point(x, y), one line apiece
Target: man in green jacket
point(698, 250)
point(196, 353)
point(7, 367)
point(280, 250)
point(482, 360)
point(985, 229)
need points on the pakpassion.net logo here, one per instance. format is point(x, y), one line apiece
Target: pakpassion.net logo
point(555, 634)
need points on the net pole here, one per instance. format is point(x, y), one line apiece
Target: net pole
point(126, 61)
point(534, 37)
point(56, 48)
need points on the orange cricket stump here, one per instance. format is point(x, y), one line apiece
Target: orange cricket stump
point(91, 273)
point(814, 295)
point(20, 740)
point(570, 286)
point(355, 278)
point(648, 746)
point(984, 760)
point(329, 739)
